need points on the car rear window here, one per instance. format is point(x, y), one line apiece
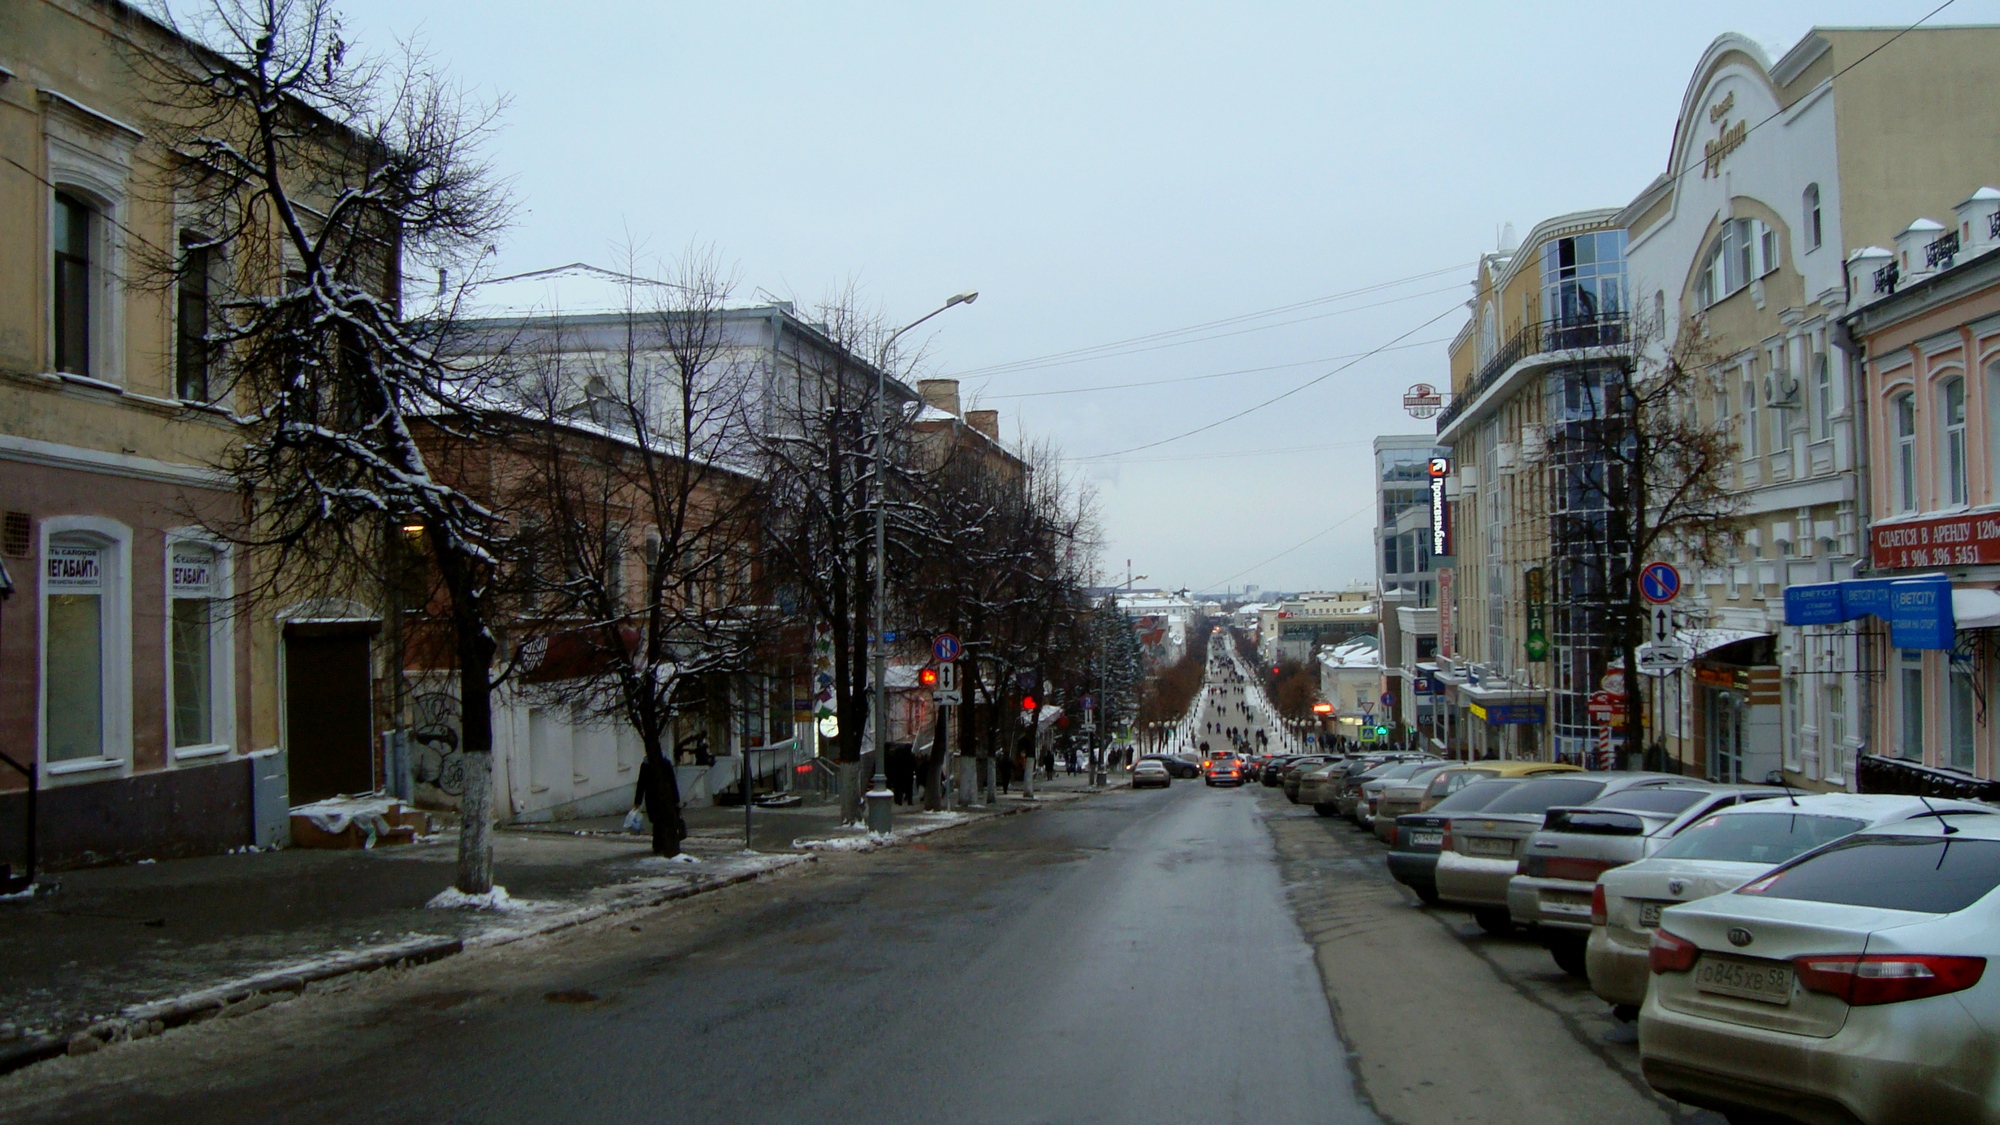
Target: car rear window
point(1928, 874)
point(1541, 795)
point(1652, 800)
point(1474, 796)
point(1760, 837)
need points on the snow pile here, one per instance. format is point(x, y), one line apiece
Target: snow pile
point(864, 843)
point(496, 900)
point(680, 860)
point(28, 891)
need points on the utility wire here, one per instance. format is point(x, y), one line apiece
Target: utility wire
point(1314, 381)
point(1075, 355)
point(1212, 374)
point(1307, 541)
point(1236, 453)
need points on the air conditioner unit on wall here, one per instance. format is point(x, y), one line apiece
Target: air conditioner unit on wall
point(1780, 389)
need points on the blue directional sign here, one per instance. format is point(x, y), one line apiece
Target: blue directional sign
point(1659, 583)
point(946, 648)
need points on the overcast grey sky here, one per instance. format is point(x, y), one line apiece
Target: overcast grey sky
point(1102, 172)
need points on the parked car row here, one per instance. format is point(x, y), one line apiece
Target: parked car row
point(1787, 956)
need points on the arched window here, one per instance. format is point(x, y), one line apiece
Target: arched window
point(1744, 250)
point(1904, 411)
point(1815, 233)
point(1489, 334)
point(1951, 444)
point(85, 644)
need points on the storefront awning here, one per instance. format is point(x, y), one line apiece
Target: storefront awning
point(1703, 641)
point(1975, 608)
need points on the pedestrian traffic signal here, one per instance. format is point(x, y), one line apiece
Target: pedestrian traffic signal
point(927, 677)
point(1381, 732)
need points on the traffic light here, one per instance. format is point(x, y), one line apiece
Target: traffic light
point(927, 677)
point(1027, 703)
point(1381, 732)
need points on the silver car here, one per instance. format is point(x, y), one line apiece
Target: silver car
point(1481, 852)
point(1720, 853)
point(1148, 772)
point(1560, 865)
point(1849, 984)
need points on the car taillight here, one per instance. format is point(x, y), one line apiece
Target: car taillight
point(1444, 842)
point(1886, 978)
point(1671, 953)
point(1600, 912)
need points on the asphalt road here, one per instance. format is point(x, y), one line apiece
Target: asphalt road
point(1132, 957)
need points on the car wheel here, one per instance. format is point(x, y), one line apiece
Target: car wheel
point(1428, 892)
point(1568, 951)
point(1494, 919)
point(1324, 810)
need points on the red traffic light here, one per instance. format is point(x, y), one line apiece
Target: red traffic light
point(927, 677)
point(1027, 703)
point(1275, 669)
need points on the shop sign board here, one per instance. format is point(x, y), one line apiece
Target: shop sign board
point(1965, 540)
point(1440, 468)
point(1918, 609)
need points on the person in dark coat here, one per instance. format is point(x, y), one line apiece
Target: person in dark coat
point(902, 772)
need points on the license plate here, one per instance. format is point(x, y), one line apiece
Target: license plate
point(1565, 902)
point(1482, 845)
point(1649, 914)
point(1426, 839)
point(1764, 981)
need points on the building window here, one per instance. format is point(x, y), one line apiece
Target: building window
point(1961, 715)
point(1952, 452)
point(191, 357)
point(1815, 233)
point(1750, 435)
point(73, 649)
point(1911, 675)
point(75, 229)
point(1904, 410)
point(1822, 396)
point(1583, 277)
point(197, 647)
point(1744, 250)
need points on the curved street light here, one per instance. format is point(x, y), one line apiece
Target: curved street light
point(881, 802)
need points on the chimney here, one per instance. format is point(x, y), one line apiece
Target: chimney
point(985, 421)
point(940, 393)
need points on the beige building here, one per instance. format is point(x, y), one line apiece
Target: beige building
point(1777, 171)
point(1548, 321)
point(126, 677)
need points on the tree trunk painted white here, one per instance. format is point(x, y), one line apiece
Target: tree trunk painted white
point(475, 829)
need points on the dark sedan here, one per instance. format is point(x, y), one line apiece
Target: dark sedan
point(1420, 836)
point(1177, 767)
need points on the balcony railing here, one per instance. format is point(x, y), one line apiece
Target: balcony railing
point(1886, 278)
point(1562, 334)
point(1993, 225)
point(1941, 251)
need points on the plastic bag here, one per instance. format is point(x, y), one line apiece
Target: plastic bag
point(635, 821)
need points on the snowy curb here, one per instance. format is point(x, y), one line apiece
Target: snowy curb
point(247, 994)
point(870, 841)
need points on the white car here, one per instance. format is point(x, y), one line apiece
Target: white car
point(1849, 984)
point(1721, 852)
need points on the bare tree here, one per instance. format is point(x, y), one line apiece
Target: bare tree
point(646, 512)
point(319, 175)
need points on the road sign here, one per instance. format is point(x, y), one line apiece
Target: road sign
point(1388, 699)
point(947, 697)
point(1659, 583)
point(947, 677)
point(1664, 656)
point(1088, 703)
point(946, 648)
point(1661, 619)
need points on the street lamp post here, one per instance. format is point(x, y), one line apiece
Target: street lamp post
point(882, 802)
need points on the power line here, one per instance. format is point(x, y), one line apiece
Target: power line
point(1315, 381)
point(1213, 374)
point(1075, 355)
point(1307, 541)
point(1233, 454)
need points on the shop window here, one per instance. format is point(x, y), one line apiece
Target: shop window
point(85, 654)
point(1910, 705)
point(1961, 716)
point(199, 679)
point(1904, 410)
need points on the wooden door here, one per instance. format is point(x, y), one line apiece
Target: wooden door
point(329, 728)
